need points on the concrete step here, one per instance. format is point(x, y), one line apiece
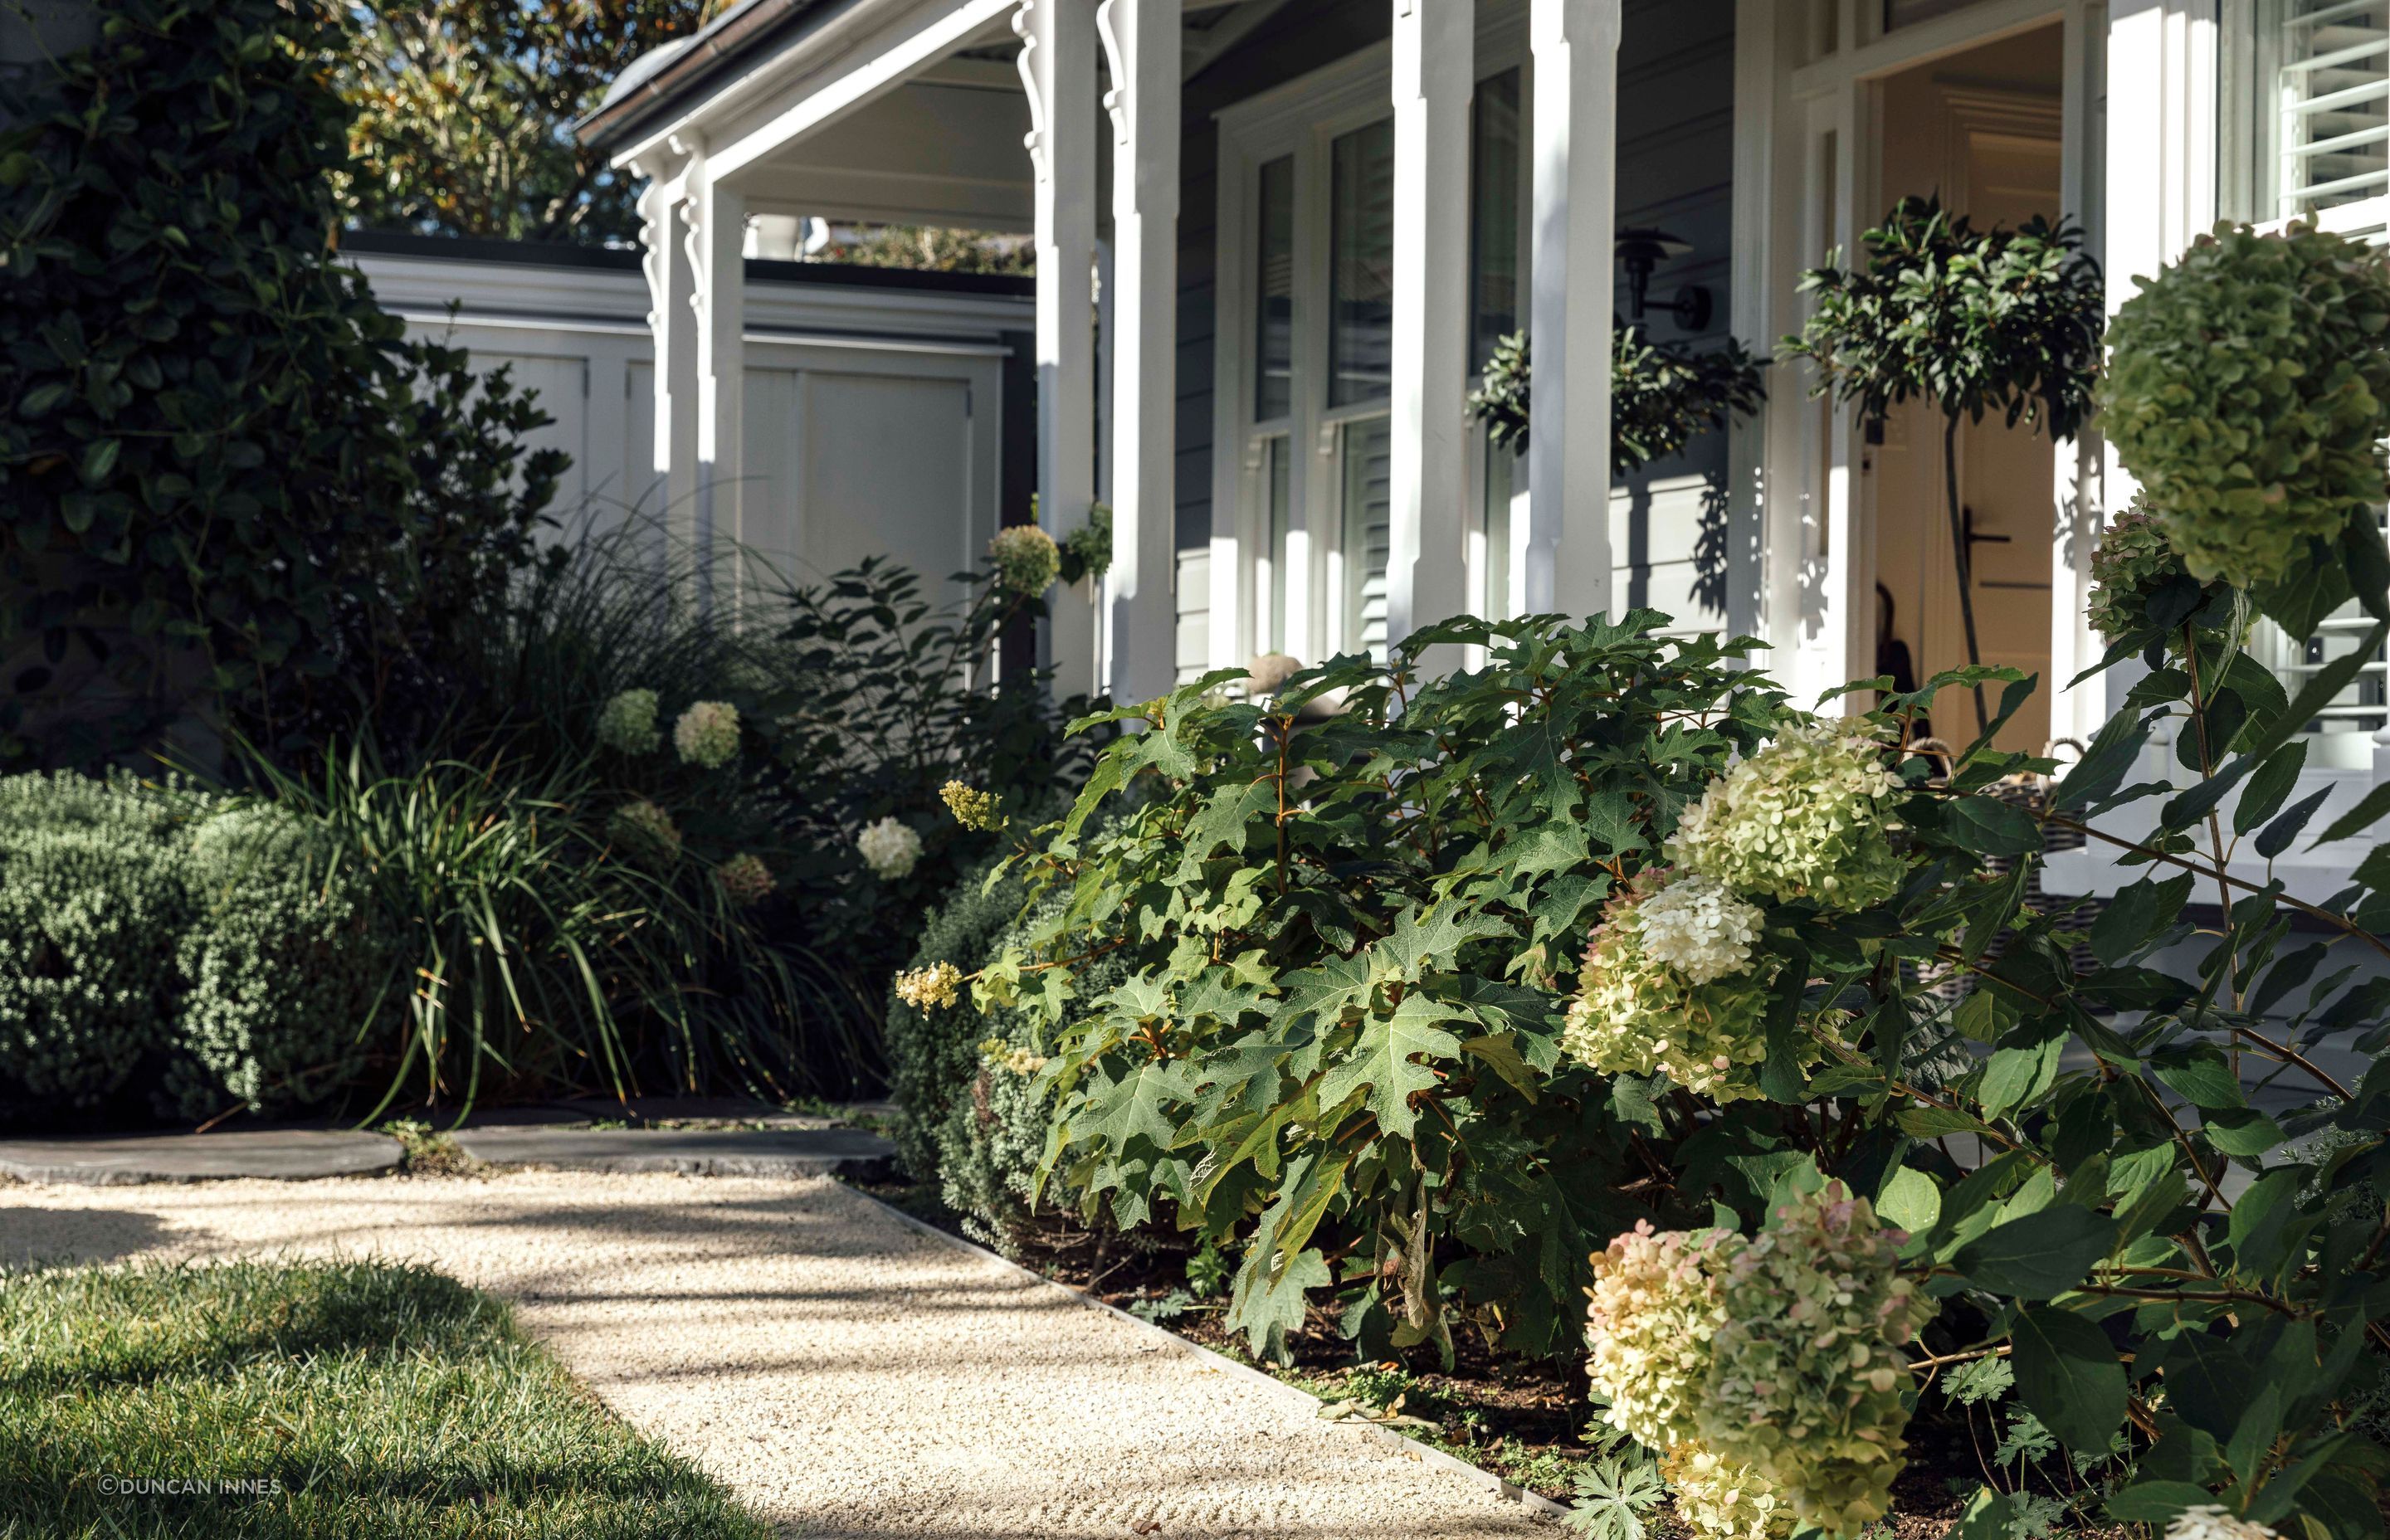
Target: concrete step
point(695, 1152)
point(278, 1154)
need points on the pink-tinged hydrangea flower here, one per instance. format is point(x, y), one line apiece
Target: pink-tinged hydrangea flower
point(889, 847)
point(744, 880)
point(931, 988)
point(1656, 1305)
point(1720, 1499)
point(1806, 1369)
point(1809, 816)
point(645, 833)
point(707, 734)
point(1639, 1010)
point(627, 723)
point(1026, 558)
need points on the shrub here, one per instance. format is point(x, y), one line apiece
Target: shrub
point(1339, 1031)
point(934, 1050)
point(287, 965)
point(1661, 395)
point(91, 905)
point(2249, 386)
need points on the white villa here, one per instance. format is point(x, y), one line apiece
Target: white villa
point(1276, 239)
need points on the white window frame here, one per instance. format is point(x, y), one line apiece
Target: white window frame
point(1303, 118)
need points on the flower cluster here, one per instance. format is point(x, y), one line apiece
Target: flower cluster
point(889, 847)
point(707, 734)
point(744, 880)
point(627, 723)
point(972, 808)
point(646, 833)
point(2215, 1522)
point(1026, 558)
point(1654, 1308)
point(1810, 815)
point(1721, 1499)
point(1010, 1056)
point(1807, 1370)
point(2245, 393)
point(1683, 994)
point(931, 988)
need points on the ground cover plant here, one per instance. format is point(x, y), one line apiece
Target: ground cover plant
point(366, 1399)
point(2113, 1218)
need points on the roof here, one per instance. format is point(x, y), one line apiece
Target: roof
point(668, 77)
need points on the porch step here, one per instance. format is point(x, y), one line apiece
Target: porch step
point(691, 1152)
point(273, 1154)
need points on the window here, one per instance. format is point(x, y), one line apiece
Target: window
point(1495, 192)
point(1363, 453)
point(2307, 114)
point(1274, 293)
point(1361, 264)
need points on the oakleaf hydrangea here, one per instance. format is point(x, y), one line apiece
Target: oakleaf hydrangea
point(1656, 1305)
point(627, 723)
point(1638, 1013)
point(744, 880)
point(2215, 1522)
point(1026, 558)
point(971, 807)
point(931, 988)
point(1011, 1058)
point(1720, 1499)
point(2246, 391)
point(1809, 816)
point(890, 847)
point(707, 734)
point(1806, 1369)
point(646, 833)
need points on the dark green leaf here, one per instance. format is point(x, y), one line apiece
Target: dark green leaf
point(2039, 1256)
point(2068, 1375)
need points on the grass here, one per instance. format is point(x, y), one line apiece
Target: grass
point(358, 1400)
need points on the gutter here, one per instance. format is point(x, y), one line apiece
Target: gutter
point(711, 46)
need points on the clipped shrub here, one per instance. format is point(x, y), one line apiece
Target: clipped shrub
point(91, 905)
point(933, 1049)
point(287, 965)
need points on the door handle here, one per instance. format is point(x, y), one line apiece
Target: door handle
point(1967, 532)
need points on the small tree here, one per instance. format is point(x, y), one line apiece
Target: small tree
point(1973, 321)
point(1660, 396)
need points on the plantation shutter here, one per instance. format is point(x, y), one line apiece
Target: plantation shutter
point(2331, 168)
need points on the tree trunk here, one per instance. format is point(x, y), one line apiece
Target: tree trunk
point(1964, 557)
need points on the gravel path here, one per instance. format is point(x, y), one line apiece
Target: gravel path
point(844, 1374)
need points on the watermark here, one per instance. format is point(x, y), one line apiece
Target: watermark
point(190, 1486)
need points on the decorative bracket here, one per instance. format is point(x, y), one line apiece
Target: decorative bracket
point(1116, 100)
point(1034, 140)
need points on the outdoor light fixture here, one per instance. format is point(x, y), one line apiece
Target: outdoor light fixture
point(1642, 250)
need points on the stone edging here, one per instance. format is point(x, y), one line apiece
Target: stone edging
point(1534, 1502)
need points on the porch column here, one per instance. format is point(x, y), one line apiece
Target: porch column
point(1141, 43)
point(1058, 66)
point(1575, 44)
point(1434, 75)
point(671, 319)
point(719, 233)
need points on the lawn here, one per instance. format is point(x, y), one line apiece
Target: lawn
point(348, 1399)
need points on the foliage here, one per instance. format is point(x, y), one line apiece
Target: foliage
point(387, 1402)
point(2251, 383)
point(933, 1053)
point(286, 966)
point(463, 111)
point(91, 906)
point(1660, 396)
point(1338, 1034)
point(1613, 1495)
point(935, 248)
point(223, 476)
point(1088, 550)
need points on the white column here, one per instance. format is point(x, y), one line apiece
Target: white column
point(719, 234)
point(1575, 44)
point(671, 319)
point(1141, 41)
point(1434, 74)
point(2080, 711)
point(1058, 65)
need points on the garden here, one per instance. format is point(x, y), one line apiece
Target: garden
point(1678, 1097)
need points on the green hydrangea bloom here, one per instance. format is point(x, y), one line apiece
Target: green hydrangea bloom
point(744, 880)
point(2246, 392)
point(1721, 1499)
point(1026, 558)
point(627, 723)
point(1809, 816)
point(707, 734)
point(972, 808)
point(645, 833)
point(1656, 1304)
point(1641, 1010)
point(1806, 1369)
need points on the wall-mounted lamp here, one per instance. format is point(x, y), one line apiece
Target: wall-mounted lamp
point(1641, 252)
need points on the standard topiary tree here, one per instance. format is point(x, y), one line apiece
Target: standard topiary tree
point(1971, 321)
point(1661, 395)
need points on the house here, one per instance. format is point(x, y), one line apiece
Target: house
point(1276, 239)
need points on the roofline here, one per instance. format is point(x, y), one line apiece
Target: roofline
point(715, 49)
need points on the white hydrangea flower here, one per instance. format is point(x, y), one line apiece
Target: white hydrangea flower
point(1698, 927)
point(1809, 816)
point(707, 734)
point(627, 723)
point(890, 848)
point(2215, 1522)
point(1721, 1499)
point(1656, 1305)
